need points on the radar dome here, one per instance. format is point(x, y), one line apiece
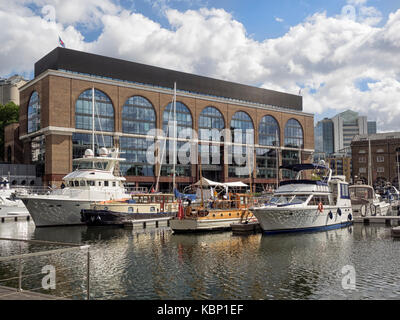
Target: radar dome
point(89, 153)
point(103, 152)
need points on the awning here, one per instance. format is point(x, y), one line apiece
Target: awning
point(208, 183)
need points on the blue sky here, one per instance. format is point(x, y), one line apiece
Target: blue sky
point(340, 61)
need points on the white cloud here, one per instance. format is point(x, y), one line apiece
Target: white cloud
point(326, 55)
point(277, 19)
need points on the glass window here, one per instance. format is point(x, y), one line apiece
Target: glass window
point(266, 160)
point(83, 141)
point(183, 118)
point(268, 132)
point(34, 113)
point(134, 151)
point(242, 121)
point(138, 116)
point(289, 157)
point(210, 118)
point(293, 134)
point(103, 111)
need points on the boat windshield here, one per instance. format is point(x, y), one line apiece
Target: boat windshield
point(92, 165)
point(288, 199)
point(360, 193)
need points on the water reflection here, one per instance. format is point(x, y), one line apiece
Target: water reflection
point(156, 264)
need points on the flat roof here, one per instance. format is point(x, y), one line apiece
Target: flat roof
point(117, 69)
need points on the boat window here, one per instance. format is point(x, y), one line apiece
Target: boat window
point(71, 184)
point(76, 183)
point(106, 183)
point(114, 184)
point(152, 209)
point(82, 183)
point(344, 191)
point(289, 199)
point(99, 183)
point(316, 200)
point(360, 193)
point(90, 183)
point(130, 209)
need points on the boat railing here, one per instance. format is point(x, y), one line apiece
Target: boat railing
point(137, 190)
point(45, 278)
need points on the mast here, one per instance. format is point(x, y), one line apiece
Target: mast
point(201, 183)
point(369, 163)
point(175, 137)
point(277, 160)
point(93, 120)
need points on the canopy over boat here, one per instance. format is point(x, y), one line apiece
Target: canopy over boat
point(208, 183)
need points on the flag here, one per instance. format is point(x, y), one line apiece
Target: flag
point(62, 44)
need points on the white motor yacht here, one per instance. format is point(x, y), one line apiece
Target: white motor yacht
point(9, 203)
point(366, 202)
point(321, 203)
point(94, 180)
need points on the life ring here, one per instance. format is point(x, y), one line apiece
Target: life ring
point(339, 212)
point(320, 207)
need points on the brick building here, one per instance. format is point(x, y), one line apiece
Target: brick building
point(385, 157)
point(131, 99)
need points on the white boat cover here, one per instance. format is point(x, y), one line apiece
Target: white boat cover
point(208, 183)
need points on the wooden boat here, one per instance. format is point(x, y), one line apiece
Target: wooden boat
point(138, 207)
point(217, 215)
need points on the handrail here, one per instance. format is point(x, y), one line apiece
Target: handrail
point(67, 247)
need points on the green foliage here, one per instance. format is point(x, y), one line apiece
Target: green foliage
point(9, 113)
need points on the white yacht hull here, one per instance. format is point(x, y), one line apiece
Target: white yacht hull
point(281, 220)
point(56, 212)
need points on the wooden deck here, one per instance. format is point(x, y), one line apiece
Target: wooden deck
point(7, 293)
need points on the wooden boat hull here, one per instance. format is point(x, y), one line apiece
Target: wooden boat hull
point(105, 217)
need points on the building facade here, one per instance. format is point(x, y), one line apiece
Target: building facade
point(9, 89)
point(132, 100)
point(346, 126)
point(383, 155)
point(324, 138)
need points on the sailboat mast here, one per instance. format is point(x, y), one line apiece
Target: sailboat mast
point(175, 137)
point(369, 163)
point(93, 119)
point(201, 182)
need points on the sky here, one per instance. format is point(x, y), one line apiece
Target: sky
point(338, 55)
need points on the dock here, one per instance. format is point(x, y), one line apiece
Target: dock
point(7, 293)
point(15, 217)
point(144, 223)
point(377, 219)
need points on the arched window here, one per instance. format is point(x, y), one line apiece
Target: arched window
point(268, 132)
point(210, 118)
point(211, 125)
point(183, 118)
point(34, 113)
point(103, 111)
point(293, 134)
point(138, 116)
point(242, 121)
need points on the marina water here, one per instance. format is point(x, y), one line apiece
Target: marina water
point(157, 264)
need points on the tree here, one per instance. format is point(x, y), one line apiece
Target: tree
point(9, 113)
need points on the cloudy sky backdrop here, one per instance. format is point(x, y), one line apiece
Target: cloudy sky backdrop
point(342, 54)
